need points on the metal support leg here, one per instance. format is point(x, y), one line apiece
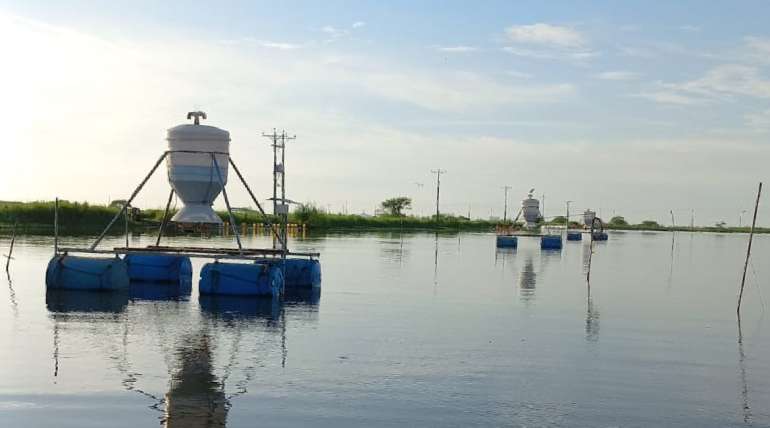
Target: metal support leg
point(259, 207)
point(164, 221)
point(131, 199)
point(233, 226)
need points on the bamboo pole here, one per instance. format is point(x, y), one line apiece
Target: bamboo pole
point(10, 250)
point(56, 227)
point(748, 249)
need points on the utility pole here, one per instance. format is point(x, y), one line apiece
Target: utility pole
point(692, 219)
point(419, 187)
point(506, 188)
point(279, 174)
point(740, 218)
point(566, 223)
point(438, 173)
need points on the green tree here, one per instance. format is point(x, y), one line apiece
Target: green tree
point(650, 224)
point(559, 220)
point(618, 221)
point(395, 206)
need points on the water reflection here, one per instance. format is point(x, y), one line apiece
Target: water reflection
point(745, 407)
point(196, 397)
point(12, 295)
point(592, 318)
point(527, 278)
point(211, 355)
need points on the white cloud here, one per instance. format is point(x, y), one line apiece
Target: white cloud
point(546, 41)
point(457, 49)
point(358, 24)
point(545, 34)
point(278, 45)
point(668, 97)
point(690, 28)
point(550, 54)
point(457, 92)
point(759, 121)
point(723, 82)
point(617, 75)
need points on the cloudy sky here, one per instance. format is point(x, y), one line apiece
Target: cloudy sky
point(621, 107)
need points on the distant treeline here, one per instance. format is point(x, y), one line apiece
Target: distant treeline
point(82, 217)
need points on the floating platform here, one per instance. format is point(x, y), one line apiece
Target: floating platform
point(600, 236)
point(506, 241)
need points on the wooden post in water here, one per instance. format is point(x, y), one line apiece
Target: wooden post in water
point(10, 250)
point(56, 227)
point(748, 249)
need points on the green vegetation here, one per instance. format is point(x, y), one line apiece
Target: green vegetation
point(396, 206)
point(77, 217)
point(618, 221)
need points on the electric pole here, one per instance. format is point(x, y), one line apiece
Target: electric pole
point(438, 173)
point(279, 174)
point(506, 188)
point(419, 187)
point(566, 223)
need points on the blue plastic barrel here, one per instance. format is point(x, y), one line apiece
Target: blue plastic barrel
point(507, 241)
point(600, 236)
point(241, 279)
point(86, 273)
point(299, 273)
point(159, 268)
point(550, 242)
point(574, 236)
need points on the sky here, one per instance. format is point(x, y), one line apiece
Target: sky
point(621, 107)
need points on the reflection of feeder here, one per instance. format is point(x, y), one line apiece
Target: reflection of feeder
point(527, 279)
point(196, 397)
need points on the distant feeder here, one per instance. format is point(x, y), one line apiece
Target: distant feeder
point(507, 241)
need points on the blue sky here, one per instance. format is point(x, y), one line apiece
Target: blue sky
point(619, 106)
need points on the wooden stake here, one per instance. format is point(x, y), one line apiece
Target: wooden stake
point(748, 249)
point(10, 250)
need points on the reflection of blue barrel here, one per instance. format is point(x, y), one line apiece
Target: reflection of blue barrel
point(550, 242)
point(86, 273)
point(507, 242)
point(230, 307)
point(574, 236)
point(600, 236)
point(159, 268)
point(72, 301)
point(143, 290)
point(299, 273)
point(241, 279)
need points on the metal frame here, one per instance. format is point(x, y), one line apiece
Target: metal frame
point(200, 252)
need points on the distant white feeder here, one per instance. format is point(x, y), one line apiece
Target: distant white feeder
point(194, 176)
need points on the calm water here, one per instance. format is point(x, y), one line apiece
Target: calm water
point(419, 330)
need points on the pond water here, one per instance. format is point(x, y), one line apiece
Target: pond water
point(413, 329)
